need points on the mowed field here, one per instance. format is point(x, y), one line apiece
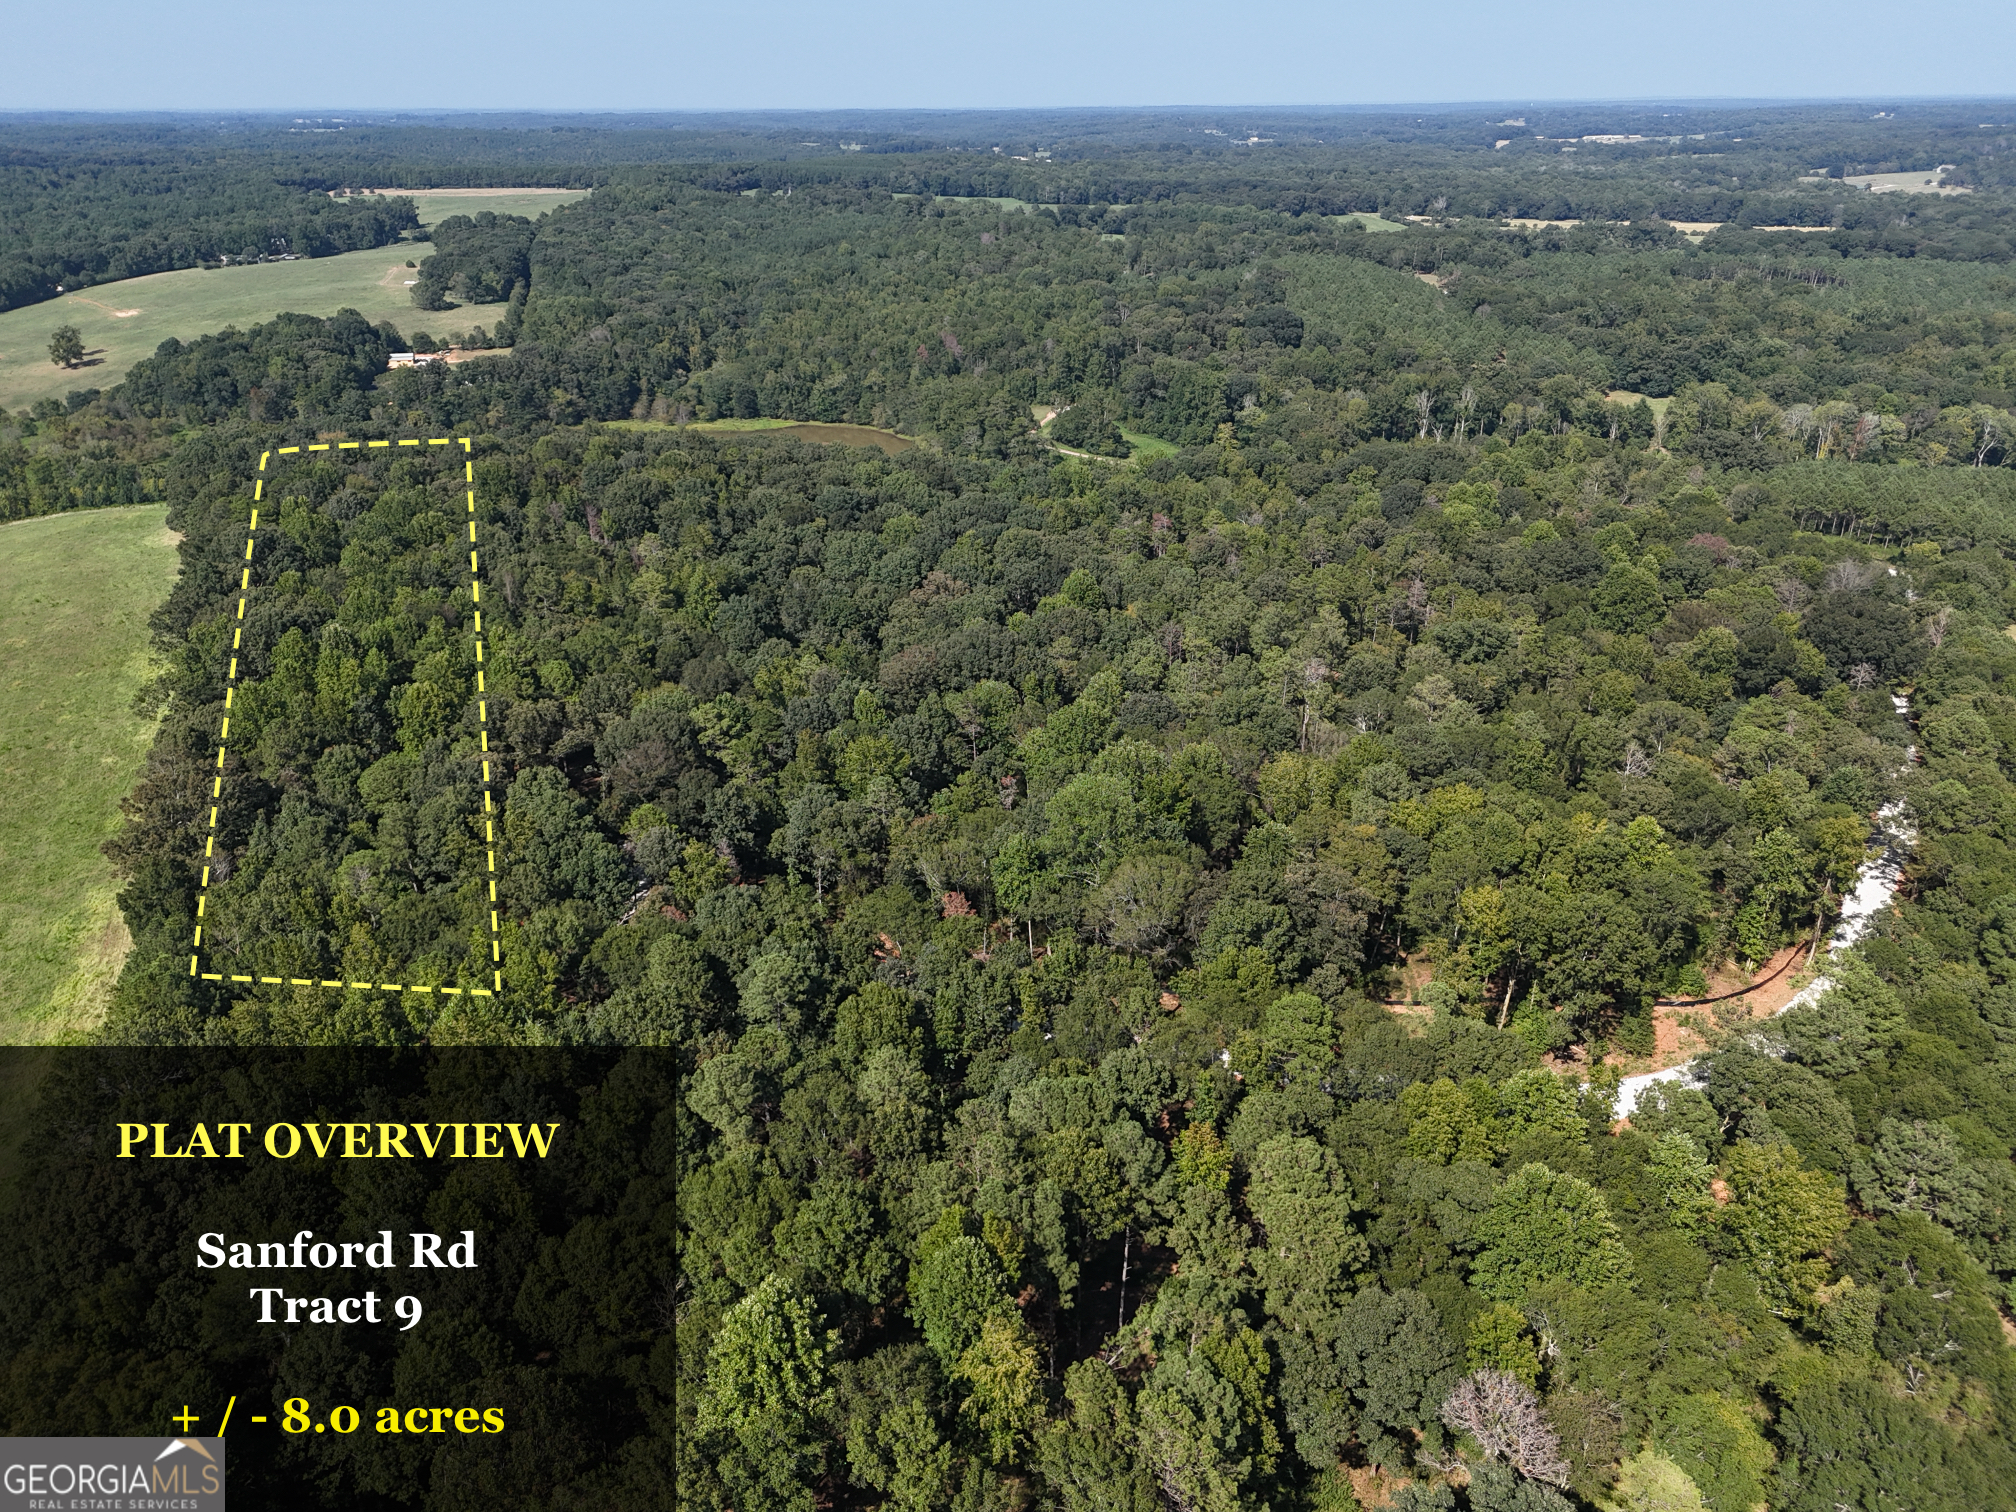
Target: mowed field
point(1373, 223)
point(436, 205)
point(1924, 181)
point(124, 322)
point(76, 591)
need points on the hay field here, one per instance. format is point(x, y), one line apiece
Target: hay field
point(436, 205)
point(1923, 181)
point(76, 592)
point(125, 321)
point(1376, 225)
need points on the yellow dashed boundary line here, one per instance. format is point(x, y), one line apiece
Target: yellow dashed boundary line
point(482, 719)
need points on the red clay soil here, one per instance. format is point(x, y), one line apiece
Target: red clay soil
point(1675, 1042)
point(1775, 993)
point(1674, 1039)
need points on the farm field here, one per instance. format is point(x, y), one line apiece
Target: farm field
point(123, 322)
point(1921, 181)
point(1370, 222)
point(436, 205)
point(76, 591)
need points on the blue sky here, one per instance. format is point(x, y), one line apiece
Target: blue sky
point(628, 54)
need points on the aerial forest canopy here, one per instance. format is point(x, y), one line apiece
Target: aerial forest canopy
point(1151, 889)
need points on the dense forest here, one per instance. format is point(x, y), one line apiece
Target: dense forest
point(72, 223)
point(94, 199)
point(1032, 862)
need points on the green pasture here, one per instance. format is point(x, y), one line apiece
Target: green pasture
point(998, 201)
point(195, 301)
point(125, 321)
point(1142, 447)
point(1146, 447)
point(436, 205)
point(1369, 221)
point(76, 591)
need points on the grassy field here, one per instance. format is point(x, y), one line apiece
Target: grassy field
point(436, 205)
point(1630, 396)
point(1924, 181)
point(1147, 446)
point(123, 322)
point(1370, 222)
point(76, 591)
point(1142, 447)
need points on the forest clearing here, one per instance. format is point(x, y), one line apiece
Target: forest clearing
point(436, 205)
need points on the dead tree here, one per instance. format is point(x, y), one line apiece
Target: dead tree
point(1503, 1415)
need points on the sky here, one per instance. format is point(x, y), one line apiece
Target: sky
point(650, 55)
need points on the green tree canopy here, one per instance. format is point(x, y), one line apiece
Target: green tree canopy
point(1545, 1225)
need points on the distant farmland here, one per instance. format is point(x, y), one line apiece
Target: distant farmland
point(436, 205)
point(123, 322)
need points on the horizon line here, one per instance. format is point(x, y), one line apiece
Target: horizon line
point(1297, 107)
